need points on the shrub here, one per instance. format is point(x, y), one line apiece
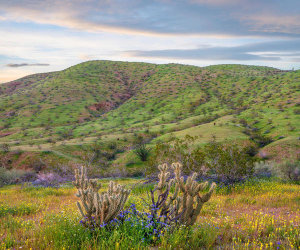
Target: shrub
point(12, 176)
point(260, 140)
point(228, 162)
point(5, 147)
point(178, 150)
point(48, 180)
point(251, 150)
point(142, 152)
point(288, 170)
point(263, 169)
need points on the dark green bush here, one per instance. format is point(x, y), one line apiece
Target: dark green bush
point(142, 152)
point(178, 150)
point(225, 162)
point(228, 162)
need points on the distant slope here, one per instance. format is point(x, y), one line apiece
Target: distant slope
point(106, 98)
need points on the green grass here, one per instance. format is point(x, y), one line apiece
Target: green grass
point(22, 209)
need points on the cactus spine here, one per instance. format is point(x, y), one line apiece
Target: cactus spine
point(98, 208)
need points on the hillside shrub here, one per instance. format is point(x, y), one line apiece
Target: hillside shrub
point(224, 162)
point(288, 170)
point(12, 176)
point(99, 154)
point(142, 152)
point(178, 150)
point(228, 162)
point(259, 139)
point(264, 169)
point(5, 147)
point(251, 150)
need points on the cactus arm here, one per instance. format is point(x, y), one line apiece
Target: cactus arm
point(207, 196)
point(80, 209)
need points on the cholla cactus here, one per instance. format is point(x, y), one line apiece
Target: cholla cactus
point(165, 202)
point(98, 208)
point(185, 203)
point(163, 177)
point(191, 201)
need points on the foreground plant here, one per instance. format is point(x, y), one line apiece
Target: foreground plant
point(96, 208)
point(185, 203)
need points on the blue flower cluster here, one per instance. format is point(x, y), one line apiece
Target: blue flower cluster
point(150, 227)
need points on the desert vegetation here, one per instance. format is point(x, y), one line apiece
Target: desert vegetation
point(165, 156)
point(254, 214)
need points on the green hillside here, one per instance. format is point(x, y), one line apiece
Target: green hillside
point(116, 101)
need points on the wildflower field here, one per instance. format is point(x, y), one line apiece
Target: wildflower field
point(258, 214)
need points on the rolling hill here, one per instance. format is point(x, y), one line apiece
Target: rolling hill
point(116, 101)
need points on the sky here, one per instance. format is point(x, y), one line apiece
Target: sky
point(49, 35)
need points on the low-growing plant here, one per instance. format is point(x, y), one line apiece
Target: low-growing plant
point(21, 209)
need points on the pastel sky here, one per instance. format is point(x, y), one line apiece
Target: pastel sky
point(48, 35)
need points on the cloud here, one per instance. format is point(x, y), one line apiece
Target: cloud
point(297, 60)
point(271, 23)
point(217, 2)
point(17, 65)
point(163, 18)
point(266, 51)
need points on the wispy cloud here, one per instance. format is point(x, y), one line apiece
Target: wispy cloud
point(267, 51)
point(270, 23)
point(218, 2)
point(17, 65)
point(160, 17)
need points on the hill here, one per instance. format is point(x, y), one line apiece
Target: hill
point(117, 101)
